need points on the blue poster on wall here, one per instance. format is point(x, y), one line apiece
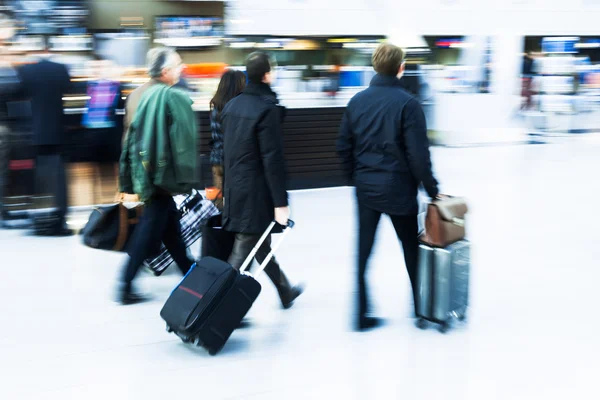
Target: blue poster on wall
point(554, 45)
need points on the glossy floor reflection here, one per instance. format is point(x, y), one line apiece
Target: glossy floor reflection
point(531, 334)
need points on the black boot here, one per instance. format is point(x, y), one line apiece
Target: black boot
point(365, 323)
point(287, 300)
point(128, 297)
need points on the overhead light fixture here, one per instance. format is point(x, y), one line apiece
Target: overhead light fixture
point(461, 45)
point(242, 45)
point(587, 45)
point(360, 45)
point(343, 40)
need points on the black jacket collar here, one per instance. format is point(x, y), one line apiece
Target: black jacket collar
point(263, 90)
point(383, 80)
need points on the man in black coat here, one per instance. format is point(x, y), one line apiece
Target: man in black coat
point(45, 83)
point(385, 152)
point(254, 171)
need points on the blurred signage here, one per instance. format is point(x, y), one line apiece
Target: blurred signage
point(71, 43)
point(182, 31)
point(52, 17)
point(448, 43)
point(559, 45)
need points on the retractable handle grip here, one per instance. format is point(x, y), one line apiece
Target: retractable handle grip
point(260, 242)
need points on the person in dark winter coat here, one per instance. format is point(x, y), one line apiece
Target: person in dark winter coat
point(385, 152)
point(45, 83)
point(255, 182)
point(9, 87)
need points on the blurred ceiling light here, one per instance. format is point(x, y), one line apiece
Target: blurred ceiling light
point(587, 45)
point(360, 45)
point(189, 42)
point(407, 41)
point(346, 40)
point(301, 45)
point(242, 45)
point(76, 98)
point(267, 45)
point(462, 45)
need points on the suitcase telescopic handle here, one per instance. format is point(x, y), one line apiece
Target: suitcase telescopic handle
point(286, 230)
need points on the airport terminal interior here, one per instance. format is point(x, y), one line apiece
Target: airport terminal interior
point(511, 98)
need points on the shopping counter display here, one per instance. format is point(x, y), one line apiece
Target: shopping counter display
point(309, 146)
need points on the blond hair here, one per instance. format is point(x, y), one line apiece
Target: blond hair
point(387, 59)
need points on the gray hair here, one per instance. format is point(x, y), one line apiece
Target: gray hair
point(158, 59)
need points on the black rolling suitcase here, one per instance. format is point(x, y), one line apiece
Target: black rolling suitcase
point(213, 298)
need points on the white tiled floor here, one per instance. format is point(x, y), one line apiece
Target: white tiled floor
point(532, 332)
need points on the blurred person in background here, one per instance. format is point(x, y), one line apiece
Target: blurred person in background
point(333, 76)
point(255, 181)
point(410, 81)
point(158, 160)
point(102, 134)
point(526, 80)
point(45, 83)
point(232, 84)
point(9, 86)
point(385, 153)
point(105, 98)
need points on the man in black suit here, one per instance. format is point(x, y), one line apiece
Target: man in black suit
point(385, 152)
point(45, 83)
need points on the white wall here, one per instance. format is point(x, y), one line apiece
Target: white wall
point(303, 17)
point(425, 17)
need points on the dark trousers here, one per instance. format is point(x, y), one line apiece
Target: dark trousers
point(243, 245)
point(4, 160)
point(407, 230)
point(160, 222)
point(51, 180)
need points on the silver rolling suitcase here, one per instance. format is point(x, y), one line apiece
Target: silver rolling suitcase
point(443, 284)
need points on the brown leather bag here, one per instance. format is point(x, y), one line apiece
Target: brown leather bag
point(445, 221)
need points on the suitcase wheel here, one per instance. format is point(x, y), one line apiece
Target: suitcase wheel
point(185, 339)
point(213, 352)
point(169, 329)
point(444, 327)
point(462, 317)
point(421, 323)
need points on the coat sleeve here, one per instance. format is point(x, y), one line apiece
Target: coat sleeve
point(182, 136)
point(127, 117)
point(345, 147)
point(216, 154)
point(270, 141)
point(414, 130)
